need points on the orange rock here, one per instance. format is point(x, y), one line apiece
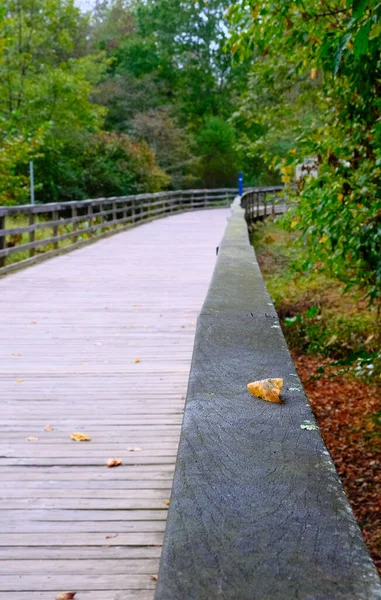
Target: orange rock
point(267, 389)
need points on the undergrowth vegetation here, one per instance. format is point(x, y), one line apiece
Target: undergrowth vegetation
point(317, 315)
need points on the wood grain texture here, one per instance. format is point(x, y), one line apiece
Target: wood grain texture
point(257, 510)
point(72, 329)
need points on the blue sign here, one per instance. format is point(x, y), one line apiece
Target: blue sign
point(240, 184)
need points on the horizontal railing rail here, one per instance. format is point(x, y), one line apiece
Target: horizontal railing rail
point(33, 232)
point(257, 511)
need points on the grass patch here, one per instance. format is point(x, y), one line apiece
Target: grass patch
point(317, 317)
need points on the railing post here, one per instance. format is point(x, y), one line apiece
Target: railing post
point(2, 241)
point(90, 217)
point(265, 204)
point(133, 215)
point(114, 214)
point(100, 217)
point(31, 234)
point(55, 216)
point(257, 194)
point(74, 214)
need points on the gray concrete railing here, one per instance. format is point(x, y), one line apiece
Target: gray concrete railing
point(55, 228)
point(257, 510)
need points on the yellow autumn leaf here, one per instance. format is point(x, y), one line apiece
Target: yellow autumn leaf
point(167, 502)
point(267, 389)
point(137, 360)
point(313, 73)
point(19, 380)
point(80, 437)
point(340, 197)
point(293, 151)
point(114, 462)
point(323, 239)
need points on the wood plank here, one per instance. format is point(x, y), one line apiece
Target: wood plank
point(114, 528)
point(37, 553)
point(71, 330)
point(113, 567)
point(83, 581)
point(82, 503)
point(83, 595)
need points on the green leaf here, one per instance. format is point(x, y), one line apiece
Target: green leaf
point(313, 311)
point(339, 52)
point(361, 42)
point(358, 7)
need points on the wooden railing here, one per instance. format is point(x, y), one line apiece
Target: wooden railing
point(33, 232)
point(257, 510)
point(263, 201)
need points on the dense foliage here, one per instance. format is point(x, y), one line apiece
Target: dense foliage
point(317, 69)
point(133, 96)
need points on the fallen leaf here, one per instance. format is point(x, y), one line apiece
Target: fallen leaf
point(137, 360)
point(19, 381)
point(32, 438)
point(267, 389)
point(48, 428)
point(66, 596)
point(80, 437)
point(134, 449)
point(167, 502)
point(16, 354)
point(33, 322)
point(84, 363)
point(110, 537)
point(114, 462)
point(154, 577)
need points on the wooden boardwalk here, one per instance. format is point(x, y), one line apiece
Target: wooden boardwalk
point(73, 330)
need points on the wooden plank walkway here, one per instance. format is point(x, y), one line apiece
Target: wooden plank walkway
point(72, 330)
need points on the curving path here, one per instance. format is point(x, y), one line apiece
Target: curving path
point(72, 330)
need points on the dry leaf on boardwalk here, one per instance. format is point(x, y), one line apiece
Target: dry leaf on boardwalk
point(109, 537)
point(167, 502)
point(32, 438)
point(137, 360)
point(267, 389)
point(66, 596)
point(19, 381)
point(48, 427)
point(114, 462)
point(16, 354)
point(33, 322)
point(154, 577)
point(134, 449)
point(80, 437)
